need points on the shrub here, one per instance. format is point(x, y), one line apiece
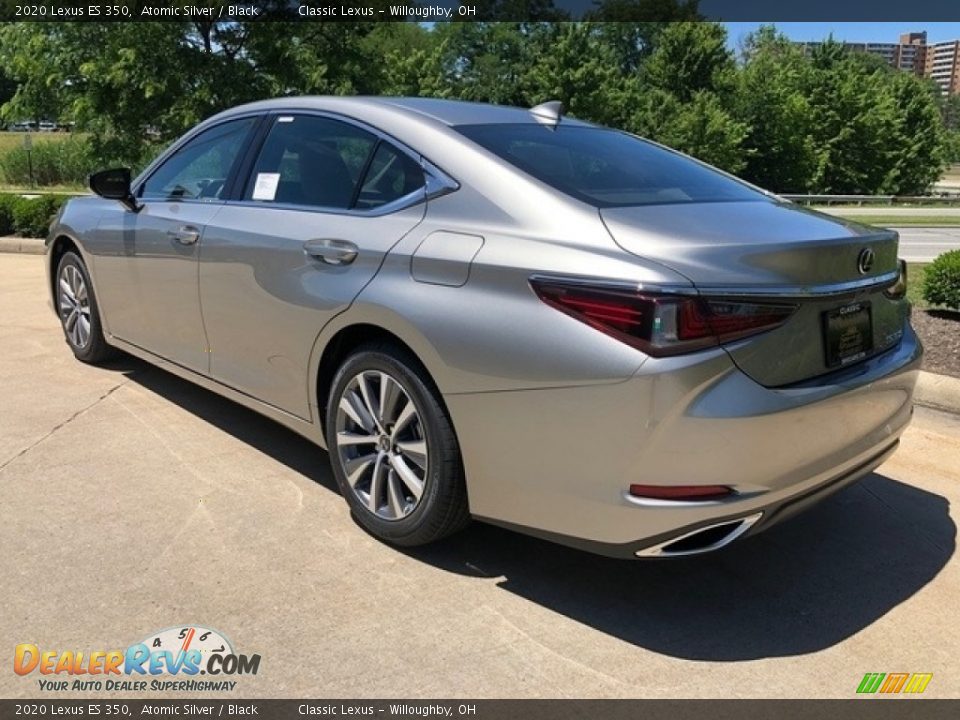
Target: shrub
point(29, 217)
point(6, 214)
point(55, 162)
point(941, 284)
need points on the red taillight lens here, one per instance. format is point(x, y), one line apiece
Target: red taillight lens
point(681, 492)
point(658, 324)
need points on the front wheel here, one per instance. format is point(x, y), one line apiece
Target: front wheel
point(393, 449)
point(78, 311)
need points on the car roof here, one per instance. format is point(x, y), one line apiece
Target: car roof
point(447, 112)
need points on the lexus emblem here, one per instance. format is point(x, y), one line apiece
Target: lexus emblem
point(865, 260)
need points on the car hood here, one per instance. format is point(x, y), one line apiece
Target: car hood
point(756, 243)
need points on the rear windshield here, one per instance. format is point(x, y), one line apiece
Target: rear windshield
point(607, 168)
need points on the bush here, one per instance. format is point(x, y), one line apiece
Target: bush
point(55, 162)
point(941, 284)
point(6, 214)
point(29, 217)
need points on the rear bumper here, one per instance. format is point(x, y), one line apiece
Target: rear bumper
point(557, 463)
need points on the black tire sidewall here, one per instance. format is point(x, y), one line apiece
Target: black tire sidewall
point(443, 452)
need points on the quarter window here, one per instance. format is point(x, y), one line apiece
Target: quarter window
point(199, 170)
point(311, 161)
point(392, 175)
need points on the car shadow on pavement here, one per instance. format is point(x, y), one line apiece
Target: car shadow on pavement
point(257, 431)
point(797, 588)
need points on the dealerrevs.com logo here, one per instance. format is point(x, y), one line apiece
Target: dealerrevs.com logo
point(184, 653)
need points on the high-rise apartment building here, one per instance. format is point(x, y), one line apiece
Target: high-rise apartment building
point(940, 61)
point(943, 65)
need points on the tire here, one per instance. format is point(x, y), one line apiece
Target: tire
point(380, 458)
point(78, 311)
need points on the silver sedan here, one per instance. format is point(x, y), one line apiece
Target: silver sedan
point(504, 314)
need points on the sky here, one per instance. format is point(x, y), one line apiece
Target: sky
point(849, 31)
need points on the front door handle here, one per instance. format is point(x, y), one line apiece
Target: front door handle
point(186, 235)
point(331, 252)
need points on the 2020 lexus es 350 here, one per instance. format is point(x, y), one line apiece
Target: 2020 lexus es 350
point(505, 314)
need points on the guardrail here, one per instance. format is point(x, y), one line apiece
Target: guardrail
point(941, 199)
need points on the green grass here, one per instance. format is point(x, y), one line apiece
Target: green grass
point(931, 220)
point(15, 139)
point(915, 273)
point(46, 189)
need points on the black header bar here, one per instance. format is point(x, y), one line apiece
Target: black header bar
point(916, 11)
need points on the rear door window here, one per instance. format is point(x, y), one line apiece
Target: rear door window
point(311, 161)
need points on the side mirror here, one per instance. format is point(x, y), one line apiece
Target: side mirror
point(114, 185)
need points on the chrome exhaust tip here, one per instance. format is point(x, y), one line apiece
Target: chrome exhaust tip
point(702, 540)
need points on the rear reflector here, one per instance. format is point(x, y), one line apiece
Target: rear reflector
point(661, 324)
point(681, 492)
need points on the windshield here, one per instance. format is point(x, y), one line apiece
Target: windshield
point(607, 168)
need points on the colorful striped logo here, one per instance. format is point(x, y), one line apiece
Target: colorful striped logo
point(889, 683)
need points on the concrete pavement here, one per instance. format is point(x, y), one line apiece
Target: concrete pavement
point(133, 501)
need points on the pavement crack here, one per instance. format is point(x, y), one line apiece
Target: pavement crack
point(60, 426)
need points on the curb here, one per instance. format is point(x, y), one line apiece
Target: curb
point(940, 392)
point(28, 246)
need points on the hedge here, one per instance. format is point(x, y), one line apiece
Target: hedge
point(28, 217)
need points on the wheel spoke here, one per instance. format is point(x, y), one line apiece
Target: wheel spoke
point(416, 450)
point(353, 407)
point(65, 290)
point(347, 438)
point(407, 475)
point(406, 415)
point(376, 482)
point(389, 392)
point(82, 293)
point(83, 329)
point(368, 402)
point(357, 466)
point(394, 497)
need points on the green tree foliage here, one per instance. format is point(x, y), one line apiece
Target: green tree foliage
point(770, 101)
point(827, 121)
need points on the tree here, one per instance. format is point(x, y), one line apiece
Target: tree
point(770, 101)
point(579, 70)
point(690, 57)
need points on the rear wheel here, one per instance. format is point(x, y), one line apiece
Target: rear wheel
point(393, 449)
point(78, 311)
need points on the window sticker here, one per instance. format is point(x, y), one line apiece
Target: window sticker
point(266, 186)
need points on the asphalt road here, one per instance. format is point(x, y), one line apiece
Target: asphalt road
point(924, 244)
point(132, 501)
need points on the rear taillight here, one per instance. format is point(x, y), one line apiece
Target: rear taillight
point(899, 288)
point(661, 324)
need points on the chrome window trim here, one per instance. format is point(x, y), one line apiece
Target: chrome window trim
point(436, 181)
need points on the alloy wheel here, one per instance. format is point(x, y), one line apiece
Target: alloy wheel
point(74, 305)
point(382, 444)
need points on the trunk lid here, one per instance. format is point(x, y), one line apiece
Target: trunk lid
point(777, 252)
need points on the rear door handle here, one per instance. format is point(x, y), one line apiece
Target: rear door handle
point(186, 235)
point(331, 252)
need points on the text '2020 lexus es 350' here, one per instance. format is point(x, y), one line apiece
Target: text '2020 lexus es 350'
point(505, 314)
